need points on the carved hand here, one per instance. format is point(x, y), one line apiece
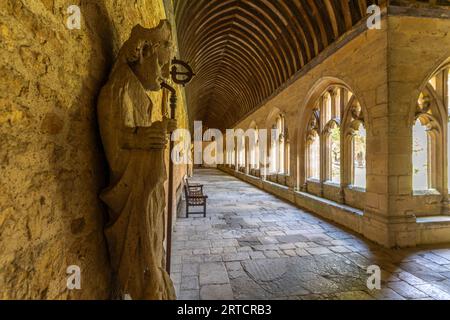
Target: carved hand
point(171, 125)
point(146, 138)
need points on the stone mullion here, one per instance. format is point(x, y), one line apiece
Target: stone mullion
point(348, 158)
point(265, 163)
point(323, 161)
point(348, 136)
point(287, 157)
point(280, 149)
point(304, 165)
point(278, 146)
point(436, 143)
point(445, 136)
point(440, 85)
point(257, 152)
point(236, 155)
point(446, 88)
point(342, 143)
point(247, 156)
point(323, 143)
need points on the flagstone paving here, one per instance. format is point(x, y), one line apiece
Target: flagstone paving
point(254, 246)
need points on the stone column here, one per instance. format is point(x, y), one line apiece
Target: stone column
point(391, 206)
point(374, 81)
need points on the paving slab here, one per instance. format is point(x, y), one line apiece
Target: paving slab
point(254, 246)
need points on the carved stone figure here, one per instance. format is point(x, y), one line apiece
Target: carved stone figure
point(134, 147)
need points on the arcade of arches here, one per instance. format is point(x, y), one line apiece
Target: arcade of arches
point(360, 165)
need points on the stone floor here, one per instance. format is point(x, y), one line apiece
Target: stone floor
point(255, 246)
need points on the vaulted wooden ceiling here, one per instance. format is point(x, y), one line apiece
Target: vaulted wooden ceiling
point(243, 50)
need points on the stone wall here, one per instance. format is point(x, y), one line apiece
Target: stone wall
point(425, 41)
point(52, 164)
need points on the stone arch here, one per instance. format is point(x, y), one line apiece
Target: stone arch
point(428, 106)
point(271, 118)
point(436, 68)
point(315, 92)
point(306, 110)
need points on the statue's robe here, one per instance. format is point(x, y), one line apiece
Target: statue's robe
point(136, 195)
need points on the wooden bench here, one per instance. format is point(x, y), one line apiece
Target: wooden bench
point(194, 197)
point(193, 187)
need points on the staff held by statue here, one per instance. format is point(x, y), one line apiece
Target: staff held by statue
point(181, 78)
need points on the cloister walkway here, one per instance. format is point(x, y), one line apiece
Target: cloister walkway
point(255, 246)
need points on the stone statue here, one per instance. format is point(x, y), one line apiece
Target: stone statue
point(135, 150)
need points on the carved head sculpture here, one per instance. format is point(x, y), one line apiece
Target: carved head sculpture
point(148, 52)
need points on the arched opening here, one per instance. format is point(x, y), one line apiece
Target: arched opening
point(359, 163)
point(254, 151)
point(279, 147)
point(420, 157)
point(313, 156)
point(335, 146)
point(430, 136)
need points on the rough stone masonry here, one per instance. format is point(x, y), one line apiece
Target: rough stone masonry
point(52, 168)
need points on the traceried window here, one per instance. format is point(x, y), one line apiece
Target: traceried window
point(358, 145)
point(336, 128)
point(334, 155)
point(332, 134)
point(359, 158)
point(428, 144)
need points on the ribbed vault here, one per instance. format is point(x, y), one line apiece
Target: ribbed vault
point(243, 50)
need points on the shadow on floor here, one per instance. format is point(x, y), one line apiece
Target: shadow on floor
point(255, 246)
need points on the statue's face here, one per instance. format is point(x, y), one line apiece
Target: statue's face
point(148, 70)
point(154, 65)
